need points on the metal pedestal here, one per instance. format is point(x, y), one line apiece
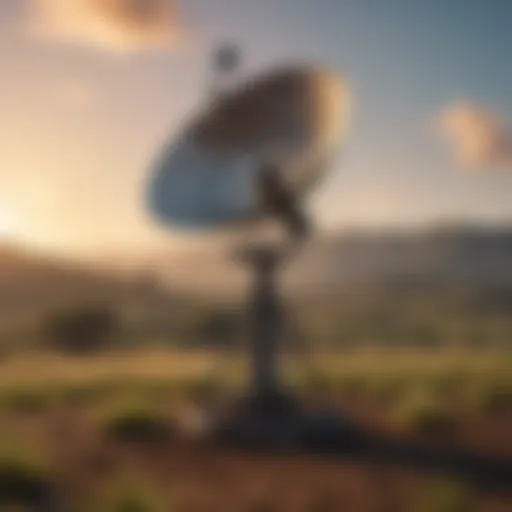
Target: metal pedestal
point(268, 417)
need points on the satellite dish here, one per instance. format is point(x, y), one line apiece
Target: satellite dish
point(253, 153)
point(252, 156)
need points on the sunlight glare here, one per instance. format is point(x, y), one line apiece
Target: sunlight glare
point(9, 226)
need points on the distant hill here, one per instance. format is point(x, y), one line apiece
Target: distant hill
point(451, 256)
point(32, 285)
point(450, 287)
point(430, 287)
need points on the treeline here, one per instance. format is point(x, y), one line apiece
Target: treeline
point(386, 316)
point(93, 328)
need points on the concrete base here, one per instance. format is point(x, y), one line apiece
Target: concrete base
point(277, 423)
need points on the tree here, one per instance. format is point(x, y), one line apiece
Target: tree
point(81, 330)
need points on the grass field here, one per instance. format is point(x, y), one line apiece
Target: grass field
point(100, 433)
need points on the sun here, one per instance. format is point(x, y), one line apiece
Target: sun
point(9, 225)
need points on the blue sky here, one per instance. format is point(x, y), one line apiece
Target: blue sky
point(80, 123)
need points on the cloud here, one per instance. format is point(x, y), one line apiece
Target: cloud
point(119, 25)
point(480, 139)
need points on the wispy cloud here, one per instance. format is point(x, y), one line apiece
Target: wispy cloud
point(480, 139)
point(116, 25)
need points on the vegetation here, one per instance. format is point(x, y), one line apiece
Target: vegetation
point(82, 330)
point(442, 496)
point(113, 403)
point(459, 380)
point(25, 399)
point(135, 422)
point(25, 479)
point(131, 496)
point(421, 412)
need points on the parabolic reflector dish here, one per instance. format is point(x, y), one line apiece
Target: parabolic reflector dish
point(291, 119)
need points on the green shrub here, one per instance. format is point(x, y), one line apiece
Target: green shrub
point(135, 423)
point(441, 497)
point(26, 399)
point(25, 479)
point(132, 497)
point(421, 412)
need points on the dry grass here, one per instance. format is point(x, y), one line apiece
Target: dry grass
point(151, 365)
point(481, 382)
point(86, 406)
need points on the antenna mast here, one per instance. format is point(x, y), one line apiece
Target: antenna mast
point(226, 61)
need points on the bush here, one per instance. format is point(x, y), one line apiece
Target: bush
point(441, 497)
point(491, 397)
point(135, 423)
point(82, 330)
point(26, 400)
point(421, 412)
point(131, 497)
point(24, 479)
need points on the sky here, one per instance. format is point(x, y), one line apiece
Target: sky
point(90, 89)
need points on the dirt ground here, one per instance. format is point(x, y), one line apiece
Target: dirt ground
point(187, 476)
